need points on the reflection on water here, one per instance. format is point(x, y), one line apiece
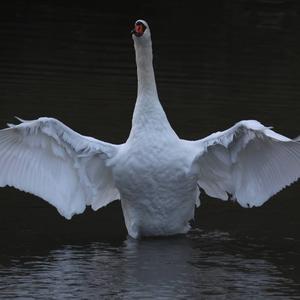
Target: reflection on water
point(211, 264)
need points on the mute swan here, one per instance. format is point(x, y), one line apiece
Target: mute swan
point(155, 174)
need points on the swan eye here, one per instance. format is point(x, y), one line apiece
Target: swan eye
point(139, 28)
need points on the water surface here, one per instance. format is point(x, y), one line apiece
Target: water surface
point(212, 265)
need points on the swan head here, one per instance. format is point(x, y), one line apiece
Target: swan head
point(141, 32)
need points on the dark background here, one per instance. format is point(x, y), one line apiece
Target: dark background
point(216, 63)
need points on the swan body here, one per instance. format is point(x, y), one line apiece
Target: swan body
point(159, 189)
point(155, 174)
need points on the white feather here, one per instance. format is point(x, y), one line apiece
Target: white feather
point(249, 161)
point(44, 157)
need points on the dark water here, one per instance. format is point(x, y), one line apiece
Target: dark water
point(204, 264)
point(216, 63)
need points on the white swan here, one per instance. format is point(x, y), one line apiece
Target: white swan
point(155, 174)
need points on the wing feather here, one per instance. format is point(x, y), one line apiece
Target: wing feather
point(46, 158)
point(249, 161)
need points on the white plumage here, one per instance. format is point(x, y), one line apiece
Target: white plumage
point(155, 174)
point(48, 159)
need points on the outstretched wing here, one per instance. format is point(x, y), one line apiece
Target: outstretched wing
point(249, 161)
point(48, 159)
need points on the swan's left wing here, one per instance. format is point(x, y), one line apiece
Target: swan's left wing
point(248, 162)
point(50, 160)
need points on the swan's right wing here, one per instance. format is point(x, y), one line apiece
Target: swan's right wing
point(48, 159)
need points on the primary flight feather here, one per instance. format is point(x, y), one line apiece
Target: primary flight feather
point(155, 174)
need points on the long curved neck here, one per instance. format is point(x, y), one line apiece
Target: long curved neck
point(148, 113)
point(145, 72)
